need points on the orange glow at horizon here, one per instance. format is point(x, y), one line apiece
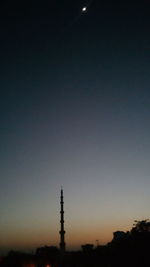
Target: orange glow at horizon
point(76, 235)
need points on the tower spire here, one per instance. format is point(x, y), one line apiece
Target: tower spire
point(62, 231)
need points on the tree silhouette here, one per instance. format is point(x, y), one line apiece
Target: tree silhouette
point(141, 226)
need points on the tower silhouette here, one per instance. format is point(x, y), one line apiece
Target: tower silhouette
point(62, 231)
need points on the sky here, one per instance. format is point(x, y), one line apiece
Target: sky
point(74, 112)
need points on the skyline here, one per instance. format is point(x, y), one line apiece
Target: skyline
point(75, 247)
point(74, 111)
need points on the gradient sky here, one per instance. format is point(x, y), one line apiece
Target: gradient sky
point(74, 111)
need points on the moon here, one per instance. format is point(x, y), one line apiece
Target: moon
point(84, 9)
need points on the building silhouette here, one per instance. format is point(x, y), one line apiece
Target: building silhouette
point(62, 231)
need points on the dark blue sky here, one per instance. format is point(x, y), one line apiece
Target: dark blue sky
point(74, 111)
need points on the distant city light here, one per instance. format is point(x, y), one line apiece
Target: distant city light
point(29, 265)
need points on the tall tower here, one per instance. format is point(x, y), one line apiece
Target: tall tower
point(62, 231)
